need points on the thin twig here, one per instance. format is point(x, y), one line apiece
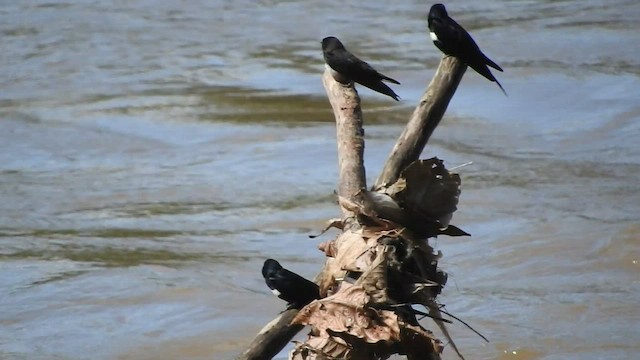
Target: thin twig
point(465, 324)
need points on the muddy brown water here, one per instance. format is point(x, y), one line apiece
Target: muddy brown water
point(153, 154)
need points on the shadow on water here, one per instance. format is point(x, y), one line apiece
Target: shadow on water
point(120, 257)
point(240, 105)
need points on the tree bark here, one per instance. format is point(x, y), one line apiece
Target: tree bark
point(424, 120)
point(345, 102)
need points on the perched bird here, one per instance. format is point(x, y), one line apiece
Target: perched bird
point(452, 39)
point(346, 67)
point(289, 286)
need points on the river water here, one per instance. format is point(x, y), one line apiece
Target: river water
point(153, 154)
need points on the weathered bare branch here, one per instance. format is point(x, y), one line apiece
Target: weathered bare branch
point(345, 102)
point(350, 138)
point(424, 120)
point(272, 338)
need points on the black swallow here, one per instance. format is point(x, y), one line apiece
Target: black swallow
point(346, 67)
point(289, 286)
point(452, 39)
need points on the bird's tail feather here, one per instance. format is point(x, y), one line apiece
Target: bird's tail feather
point(389, 79)
point(501, 88)
point(381, 88)
point(483, 70)
point(492, 64)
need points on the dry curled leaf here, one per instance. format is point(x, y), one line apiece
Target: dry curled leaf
point(428, 189)
point(375, 233)
point(350, 205)
point(329, 248)
point(363, 261)
point(331, 223)
point(347, 312)
point(380, 205)
point(374, 280)
point(419, 343)
point(320, 348)
point(428, 195)
point(348, 246)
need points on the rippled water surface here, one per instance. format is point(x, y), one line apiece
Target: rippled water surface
point(153, 154)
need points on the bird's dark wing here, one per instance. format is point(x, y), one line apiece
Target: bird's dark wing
point(467, 48)
point(453, 230)
point(293, 287)
point(379, 86)
point(482, 69)
point(491, 63)
point(385, 77)
point(359, 71)
point(451, 36)
point(346, 63)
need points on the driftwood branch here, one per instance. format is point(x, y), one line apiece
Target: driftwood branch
point(272, 338)
point(424, 120)
point(345, 102)
point(356, 238)
point(350, 138)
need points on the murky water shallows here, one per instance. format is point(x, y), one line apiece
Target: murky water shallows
point(153, 154)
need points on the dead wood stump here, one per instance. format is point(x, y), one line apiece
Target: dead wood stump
point(382, 262)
